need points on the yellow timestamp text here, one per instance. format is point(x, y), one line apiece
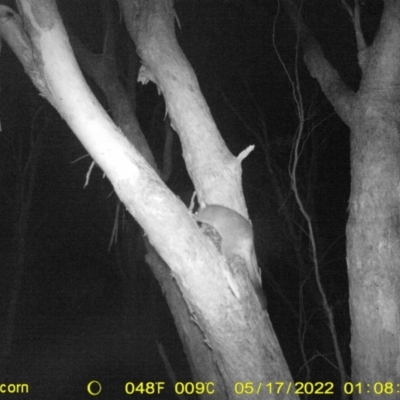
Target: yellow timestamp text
point(379, 388)
point(299, 388)
point(189, 388)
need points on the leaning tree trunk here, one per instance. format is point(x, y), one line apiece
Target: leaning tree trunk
point(219, 318)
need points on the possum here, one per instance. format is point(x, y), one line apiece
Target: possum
point(236, 240)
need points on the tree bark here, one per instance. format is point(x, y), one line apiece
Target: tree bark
point(373, 233)
point(233, 335)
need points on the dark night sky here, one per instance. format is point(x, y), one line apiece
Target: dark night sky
point(74, 318)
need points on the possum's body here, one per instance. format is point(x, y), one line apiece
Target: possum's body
point(236, 240)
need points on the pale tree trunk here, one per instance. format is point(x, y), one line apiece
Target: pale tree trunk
point(373, 229)
point(228, 338)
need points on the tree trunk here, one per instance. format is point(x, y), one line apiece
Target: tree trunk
point(373, 234)
point(373, 239)
point(219, 318)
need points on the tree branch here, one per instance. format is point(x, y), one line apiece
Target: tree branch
point(340, 96)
